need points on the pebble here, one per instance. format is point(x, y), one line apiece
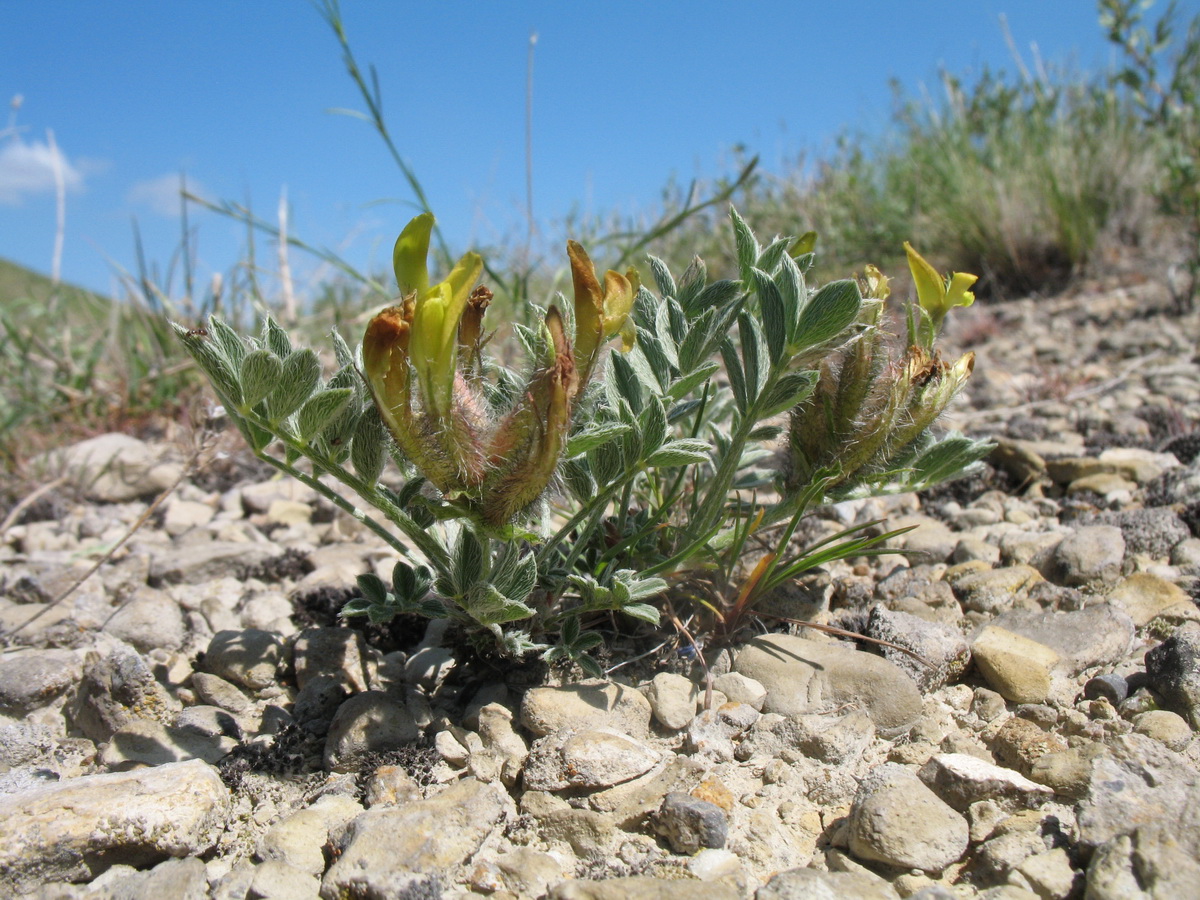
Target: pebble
point(73, 830)
point(330, 653)
point(961, 780)
point(1016, 667)
point(149, 620)
point(1093, 553)
point(617, 706)
point(1173, 668)
point(1145, 597)
point(402, 851)
point(367, 723)
point(1165, 727)
point(673, 700)
point(689, 824)
point(247, 657)
point(945, 651)
point(897, 820)
point(33, 678)
point(803, 676)
point(116, 468)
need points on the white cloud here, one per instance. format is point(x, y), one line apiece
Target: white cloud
point(27, 167)
point(161, 194)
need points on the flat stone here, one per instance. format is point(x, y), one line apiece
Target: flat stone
point(1145, 597)
point(805, 676)
point(215, 690)
point(1165, 727)
point(673, 700)
point(178, 879)
point(994, 590)
point(598, 704)
point(1019, 744)
point(641, 887)
point(813, 884)
point(1173, 668)
point(898, 821)
point(75, 829)
point(833, 739)
point(1157, 859)
point(181, 516)
point(960, 780)
point(1093, 553)
point(389, 850)
point(116, 468)
point(943, 647)
point(149, 620)
point(331, 652)
point(1138, 782)
point(276, 880)
point(366, 723)
point(1100, 634)
point(690, 824)
point(145, 743)
point(1015, 667)
point(199, 563)
point(118, 688)
point(33, 678)
point(586, 759)
point(247, 657)
point(737, 688)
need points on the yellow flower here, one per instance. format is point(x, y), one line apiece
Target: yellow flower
point(600, 312)
point(436, 311)
point(936, 294)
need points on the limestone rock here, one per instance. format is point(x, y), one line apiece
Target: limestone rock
point(77, 828)
point(608, 704)
point(805, 676)
point(899, 821)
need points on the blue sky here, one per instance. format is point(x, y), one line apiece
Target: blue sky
point(627, 95)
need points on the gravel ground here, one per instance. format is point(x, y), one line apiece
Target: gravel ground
point(194, 722)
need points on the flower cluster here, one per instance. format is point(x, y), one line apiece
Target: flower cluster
point(421, 359)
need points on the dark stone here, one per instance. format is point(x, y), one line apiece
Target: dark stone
point(689, 824)
point(1174, 671)
point(1112, 687)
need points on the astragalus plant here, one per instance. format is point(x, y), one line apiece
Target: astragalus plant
point(587, 492)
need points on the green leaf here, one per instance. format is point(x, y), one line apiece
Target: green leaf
point(793, 292)
point(768, 259)
point(467, 561)
point(750, 334)
point(341, 350)
point(232, 345)
point(747, 245)
point(684, 385)
point(626, 381)
point(830, 312)
point(410, 584)
point(718, 294)
point(320, 410)
point(369, 444)
point(488, 606)
point(737, 378)
point(515, 575)
point(694, 348)
point(212, 361)
point(654, 425)
point(299, 378)
point(261, 371)
point(372, 587)
point(643, 611)
point(691, 285)
point(357, 606)
point(681, 452)
point(593, 436)
point(276, 339)
point(789, 391)
point(662, 277)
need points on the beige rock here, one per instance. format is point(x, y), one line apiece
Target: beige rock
point(1145, 597)
point(77, 828)
point(1015, 667)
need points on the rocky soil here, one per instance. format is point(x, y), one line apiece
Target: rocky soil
point(193, 720)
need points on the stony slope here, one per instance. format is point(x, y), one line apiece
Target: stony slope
point(192, 721)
